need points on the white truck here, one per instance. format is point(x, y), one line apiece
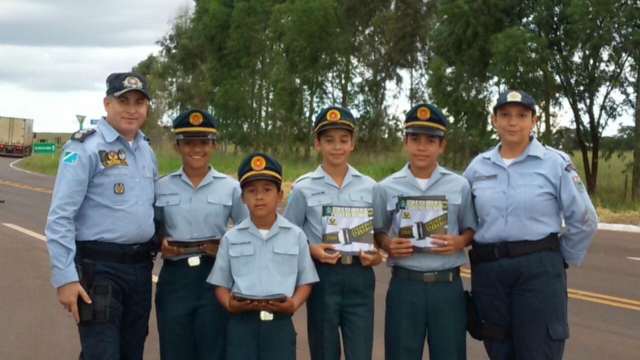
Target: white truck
point(16, 137)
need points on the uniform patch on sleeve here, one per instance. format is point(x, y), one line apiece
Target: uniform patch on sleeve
point(578, 183)
point(569, 168)
point(70, 157)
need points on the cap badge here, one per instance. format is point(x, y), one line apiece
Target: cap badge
point(514, 96)
point(258, 163)
point(195, 119)
point(333, 115)
point(424, 113)
point(132, 82)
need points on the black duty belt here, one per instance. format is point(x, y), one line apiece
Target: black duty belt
point(130, 254)
point(344, 260)
point(491, 252)
point(426, 277)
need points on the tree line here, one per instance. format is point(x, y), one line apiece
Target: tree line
point(264, 68)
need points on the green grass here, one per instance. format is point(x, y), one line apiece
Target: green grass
point(610, 191)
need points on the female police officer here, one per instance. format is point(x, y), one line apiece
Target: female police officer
point(522, 190)
point(194, 205)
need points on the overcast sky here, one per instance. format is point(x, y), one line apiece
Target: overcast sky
point(55, 55)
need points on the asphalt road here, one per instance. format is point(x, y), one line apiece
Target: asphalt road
point(604, 306)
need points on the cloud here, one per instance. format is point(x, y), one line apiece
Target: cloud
point(88, 23)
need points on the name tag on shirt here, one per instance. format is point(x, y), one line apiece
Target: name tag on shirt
point(486, 177)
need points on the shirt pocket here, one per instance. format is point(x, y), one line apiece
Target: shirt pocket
point(219, 208)
point(170, 210)
point(531, 199)
point(453, 203)
point(286, 258)
point(242, 259)
point(119, 187)
point(361, 199)
point(318, 200)
point(483, 197)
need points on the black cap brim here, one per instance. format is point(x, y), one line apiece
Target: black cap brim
point(261, 177)
point(195, 136)
point(426, 130)
point(532, 108)
point(122, 92)
point(335, 126)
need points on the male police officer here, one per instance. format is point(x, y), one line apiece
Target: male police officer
point(100, 224)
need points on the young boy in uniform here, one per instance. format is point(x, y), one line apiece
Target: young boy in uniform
point(343, 300)
point(425, 296)
point(263, 272)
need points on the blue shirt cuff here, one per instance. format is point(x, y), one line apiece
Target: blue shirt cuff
point(571, 256)
point(64, 277)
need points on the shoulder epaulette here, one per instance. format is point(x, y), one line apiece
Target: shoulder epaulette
point(564, 156)
point(147, 140)
point(301, 178)
point(82, 135)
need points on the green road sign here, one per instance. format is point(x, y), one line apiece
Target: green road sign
point(44, 148)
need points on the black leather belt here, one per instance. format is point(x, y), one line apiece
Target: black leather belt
point(128, 254)
point(491, 252)
point(426, 277)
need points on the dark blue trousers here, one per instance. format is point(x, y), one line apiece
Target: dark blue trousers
point(342, 302)
point(123, 339)
point(191, 322)
point(416, 311)
point(528, 296)
point(250, 338)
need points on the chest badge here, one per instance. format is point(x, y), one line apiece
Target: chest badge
point(118, 188)
point(113, 158)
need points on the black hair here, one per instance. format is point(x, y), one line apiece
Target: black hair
point(278, 185)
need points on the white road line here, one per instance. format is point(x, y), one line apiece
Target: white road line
point(23, 170)
point(43, 238)
point(634, 258)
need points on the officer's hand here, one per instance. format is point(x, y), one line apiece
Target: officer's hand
point(210, 249)
point(318, 252)
point(237, 307)
point(169, 251)
point(372, 259)
point(283, 307)
point(447, 244)
point(400, 248)
point(68, 297)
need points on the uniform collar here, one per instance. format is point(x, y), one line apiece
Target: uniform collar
point(405, 172)
point(281, 222)
point(534, 149)
point(320, 173)
point(110, 134)
point(213, 173)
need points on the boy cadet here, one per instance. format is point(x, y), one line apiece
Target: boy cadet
point(100, 224)
point(263, 270)
point(194, 205)
point(425, 296)
point(344, 297)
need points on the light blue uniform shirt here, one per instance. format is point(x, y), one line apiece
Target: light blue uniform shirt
point(94, 202)
point(188, 213)
point(460, 217)
point(258, 265)
point(317, 189)
point(527, 200)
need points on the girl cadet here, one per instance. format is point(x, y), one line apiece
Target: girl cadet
point(343, 300)
point(522, 191)
point(194, 206)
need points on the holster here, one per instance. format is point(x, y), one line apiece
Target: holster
point(100, 294)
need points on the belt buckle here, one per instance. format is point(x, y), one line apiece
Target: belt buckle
point(428, 277)
point(194, 261)
point(266, 316)
point(346, 259)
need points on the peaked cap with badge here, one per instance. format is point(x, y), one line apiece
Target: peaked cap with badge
point(334, 117)
point(425, 119)
point(196, 125)
point(515, 97)
point(121, 83)
point(259, 166)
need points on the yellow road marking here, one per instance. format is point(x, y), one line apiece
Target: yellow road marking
point(587, 296)
point(26, 187)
